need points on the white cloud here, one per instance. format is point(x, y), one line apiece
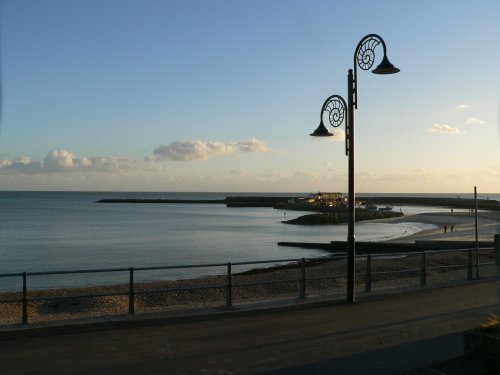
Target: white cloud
point(462, 106)
point(444, 129)
point(21, 165)
point(202, 150)
point(338, 135)
point(475, 121)
point(66, 161)
point(192, 150)
point(252, 145)
point(108, 164)
point(58, 161)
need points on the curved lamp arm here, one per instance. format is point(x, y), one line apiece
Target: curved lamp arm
point(364, 57)
point(336, 107)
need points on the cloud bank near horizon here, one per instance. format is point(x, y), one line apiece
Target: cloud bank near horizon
point(58, 161)
point(63, 161)
point(203, 150)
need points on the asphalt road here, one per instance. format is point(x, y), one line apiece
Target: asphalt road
point(377, 335)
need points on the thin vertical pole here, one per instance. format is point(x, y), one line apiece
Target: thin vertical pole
point(477, 235)
point(25, 298)
point(469, 264)
point(131, 292)
point(423, 273)
point(351, 242)
point(368, 286)
point(229, 286)
point(302, 278)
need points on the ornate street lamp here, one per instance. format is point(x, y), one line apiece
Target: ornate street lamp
point(364, 57)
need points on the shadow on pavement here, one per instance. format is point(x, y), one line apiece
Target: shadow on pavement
point(418, 355)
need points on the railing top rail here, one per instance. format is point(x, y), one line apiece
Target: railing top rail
point(270, 261)
point(207, 265)
point(11, 274)
point(97, 270)
point(204, 265)
point(421, 251)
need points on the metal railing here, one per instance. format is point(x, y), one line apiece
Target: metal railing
point(130, 291)
point(472, 264)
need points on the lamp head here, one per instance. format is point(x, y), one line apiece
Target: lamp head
point(321, 131)
point(385, 67)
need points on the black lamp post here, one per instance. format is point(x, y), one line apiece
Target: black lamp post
point(364, 57)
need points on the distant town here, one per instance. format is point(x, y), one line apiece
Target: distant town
point(331, 200)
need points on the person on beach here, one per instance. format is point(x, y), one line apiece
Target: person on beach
point(445, 228)
point(451, 228)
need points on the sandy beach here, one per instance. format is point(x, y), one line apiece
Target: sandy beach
point(463, 224)
point(288, 286)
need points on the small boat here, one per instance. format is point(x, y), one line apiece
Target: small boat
point(386, 208)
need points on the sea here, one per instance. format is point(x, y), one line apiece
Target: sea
point(61, 231)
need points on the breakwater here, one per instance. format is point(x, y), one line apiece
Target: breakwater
point(228, 201)
point(165, 201)
point(285, 202)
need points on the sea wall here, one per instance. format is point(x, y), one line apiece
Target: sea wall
point(388, 247)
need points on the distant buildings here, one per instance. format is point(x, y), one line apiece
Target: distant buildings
point(322, 199)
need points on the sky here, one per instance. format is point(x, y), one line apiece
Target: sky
point(220, 95)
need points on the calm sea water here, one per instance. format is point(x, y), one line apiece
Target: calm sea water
point(47, 231)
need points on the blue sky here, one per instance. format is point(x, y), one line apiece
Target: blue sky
point(221, 95)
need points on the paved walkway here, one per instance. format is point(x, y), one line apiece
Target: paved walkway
point(386, 334)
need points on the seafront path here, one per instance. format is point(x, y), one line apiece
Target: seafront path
point(379, 334)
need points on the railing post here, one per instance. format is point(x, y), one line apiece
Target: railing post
point(368, 281)
point(423, 273)
point(477, 263)
point(469, 264)
point(131, 292)
point(497, 249)
point(25, 298)
point(303, 278)
point(229, 286)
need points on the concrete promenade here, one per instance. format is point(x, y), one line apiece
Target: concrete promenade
point(380, 334)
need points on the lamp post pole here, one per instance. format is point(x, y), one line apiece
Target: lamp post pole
point(364, 57)
point(351, 239)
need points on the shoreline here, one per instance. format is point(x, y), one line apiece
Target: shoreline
point(171, 295)
point(460, 232)
point(460, 226)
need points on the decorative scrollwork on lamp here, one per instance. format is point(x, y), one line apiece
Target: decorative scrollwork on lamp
point(336, 108)
point(365, 55)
